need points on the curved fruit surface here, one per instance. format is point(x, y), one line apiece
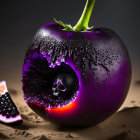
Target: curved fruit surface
point(8, 110)
point(76, 78)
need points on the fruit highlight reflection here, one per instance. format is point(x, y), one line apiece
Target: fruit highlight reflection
point(76, 78)
point(64, 108)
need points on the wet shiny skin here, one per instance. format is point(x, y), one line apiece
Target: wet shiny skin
point(107, 80)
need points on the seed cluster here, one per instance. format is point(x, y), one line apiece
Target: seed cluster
point(7, 106)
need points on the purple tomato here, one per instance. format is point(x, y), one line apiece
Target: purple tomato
point(76, 76)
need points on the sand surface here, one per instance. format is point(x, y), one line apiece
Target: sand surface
point(123, 125)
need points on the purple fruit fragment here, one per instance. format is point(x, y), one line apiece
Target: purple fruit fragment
point(8, 110)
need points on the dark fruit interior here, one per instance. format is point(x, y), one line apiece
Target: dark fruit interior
point(7, 106)
point(50, 87)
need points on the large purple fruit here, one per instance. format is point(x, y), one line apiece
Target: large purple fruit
point(76, 76)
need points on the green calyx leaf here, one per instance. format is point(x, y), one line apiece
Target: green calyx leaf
point(90, 28)
point(67, 27)
point(82, 28)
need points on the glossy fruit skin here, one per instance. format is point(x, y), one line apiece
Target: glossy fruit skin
point(101, 94)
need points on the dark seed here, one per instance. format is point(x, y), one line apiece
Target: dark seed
point(13, 108)
point(4, 112)
point(1, 103)
point(7, 115)
point(13, 115)
point(9, 110)
point(3, 99)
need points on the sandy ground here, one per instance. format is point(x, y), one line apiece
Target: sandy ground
point(123, 125)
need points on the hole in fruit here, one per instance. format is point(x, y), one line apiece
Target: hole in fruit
point(50, 87)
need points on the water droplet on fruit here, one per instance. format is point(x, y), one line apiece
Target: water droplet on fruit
point(57, 62)
point(62, 59)
point(86, 54)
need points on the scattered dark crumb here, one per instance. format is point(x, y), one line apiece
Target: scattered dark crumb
point(133, 101)
point(43, 137)
point(129, 131)
point(60, 134)
point(11, 135)
point(27, 134)
point(16, 130)
point(22, 132)
point(49, 135)
point(120, 136)
point(123, 125)
point(2, 136)
point(69, 136)
point(137, 83)
point(53, 134)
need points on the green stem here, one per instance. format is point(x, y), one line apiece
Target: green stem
point(82, 24)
